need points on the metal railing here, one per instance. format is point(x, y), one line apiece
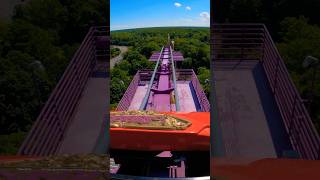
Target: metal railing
point(237, 42)
point(128, 95)
point(146, 97)
point(48, 130)
point(302, 133)
point(243, 42)
point(176, 95)
point(202, 98)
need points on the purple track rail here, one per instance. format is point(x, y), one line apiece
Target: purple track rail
point(237, 42)
point(160, 99)
point(48, 130)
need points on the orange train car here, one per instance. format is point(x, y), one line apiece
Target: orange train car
point(194, 138)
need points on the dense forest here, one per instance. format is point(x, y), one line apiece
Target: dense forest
point(295, 26)
point(192, 42)
point(35, 47)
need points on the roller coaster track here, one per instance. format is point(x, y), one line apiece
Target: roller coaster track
point(158, 96)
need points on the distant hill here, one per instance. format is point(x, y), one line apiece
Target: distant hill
point(162, 28)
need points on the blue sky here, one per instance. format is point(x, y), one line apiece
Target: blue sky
point(126, 14)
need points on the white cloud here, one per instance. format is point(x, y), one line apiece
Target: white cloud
point(205, 16)
point(188, 8)
point(177, 4)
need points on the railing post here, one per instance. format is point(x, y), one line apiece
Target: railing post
point(294, 106)
point(275, 80)
point(263, 46)
point(292, 117)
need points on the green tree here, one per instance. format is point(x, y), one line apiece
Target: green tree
point(149, 48)
point(114, 52)
point(46, 14)
point(137, 61)
point(119, 82)
point(300, 39)
point(204, 78)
